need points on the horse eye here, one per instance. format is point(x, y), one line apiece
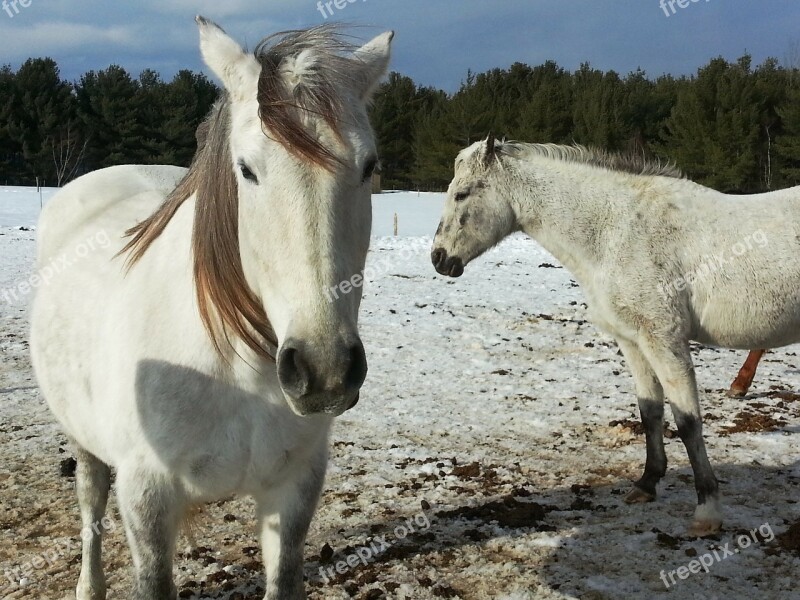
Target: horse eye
point(461, 196)
point(247, 173)
point(369, 169)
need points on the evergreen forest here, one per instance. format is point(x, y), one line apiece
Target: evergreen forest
point(733, 126)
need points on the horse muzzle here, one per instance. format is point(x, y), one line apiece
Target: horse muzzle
point(321, 381)
point(451, 266)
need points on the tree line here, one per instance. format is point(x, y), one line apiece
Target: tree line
point(732, 126)
point(56, 130)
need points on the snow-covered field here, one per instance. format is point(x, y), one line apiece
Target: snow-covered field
point(494, 417)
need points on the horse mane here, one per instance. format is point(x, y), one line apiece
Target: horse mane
point(633, 163)
point(319, 63)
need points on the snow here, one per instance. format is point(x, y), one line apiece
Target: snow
point(417, 213)
point(485, 395)
point(19, 206)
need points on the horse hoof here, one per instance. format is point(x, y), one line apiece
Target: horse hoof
point(704, 528)
point(736, 392)
point(639, 496)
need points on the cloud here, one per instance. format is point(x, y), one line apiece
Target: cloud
point(436, 43)
point(214, 9)
point(52, 38)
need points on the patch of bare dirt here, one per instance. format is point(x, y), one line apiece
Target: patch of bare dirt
point(751, 422)
point(790, 539)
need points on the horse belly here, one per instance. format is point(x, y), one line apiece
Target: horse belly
point(740, 325)
point(750, 297)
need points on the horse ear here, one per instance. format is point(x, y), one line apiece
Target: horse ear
point(225, 57)
point(490, 150)
point(374, 56)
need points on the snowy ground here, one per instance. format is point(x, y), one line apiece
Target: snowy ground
point(495, 418)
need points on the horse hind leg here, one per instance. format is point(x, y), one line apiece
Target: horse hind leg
point(92, 483)
point(152, 508)
point(650, 396)
point(673, 365)
point(744, 379)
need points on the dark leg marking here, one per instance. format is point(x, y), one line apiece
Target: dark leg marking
point(690, 430)
point(655, 466)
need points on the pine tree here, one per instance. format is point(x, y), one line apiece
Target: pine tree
point(687, 135)
point(787, 146)
point(596, 113)
point(545, 113)
point(110, 110)
point(772, 86)
point(11, 161)
point(151, 100)
point(183, 103)
point(434, 149)
point(645, 108)
point(451, 124)
point(393, 115)
point(42, 119)
point(713, 132)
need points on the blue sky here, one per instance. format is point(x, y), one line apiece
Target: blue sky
point(436, 42)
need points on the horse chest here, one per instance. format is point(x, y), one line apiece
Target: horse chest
point(604, 314)
point(260, 459)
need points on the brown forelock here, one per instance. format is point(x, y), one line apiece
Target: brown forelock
point(282, 110)
point(226, 302)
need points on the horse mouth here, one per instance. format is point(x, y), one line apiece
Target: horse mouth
point(317, 384)
point(450, 266)
point(308, 409)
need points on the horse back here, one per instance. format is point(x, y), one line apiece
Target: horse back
point(105, 202)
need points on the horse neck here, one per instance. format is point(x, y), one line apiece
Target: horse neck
point(571, 209)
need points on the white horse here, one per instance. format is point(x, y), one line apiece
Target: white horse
point(205, 359)
point(662, 261)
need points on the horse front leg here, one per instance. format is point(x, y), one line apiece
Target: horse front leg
point(672, 362)
point(650, 396)
point(152, 507)
point(744, 379)
point(284, 516)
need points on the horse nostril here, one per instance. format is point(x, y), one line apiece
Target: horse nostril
point(294, 372)
point(357, 369)
point(438, 256)
point(456, 267)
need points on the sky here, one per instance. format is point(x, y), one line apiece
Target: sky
point(436, 41)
